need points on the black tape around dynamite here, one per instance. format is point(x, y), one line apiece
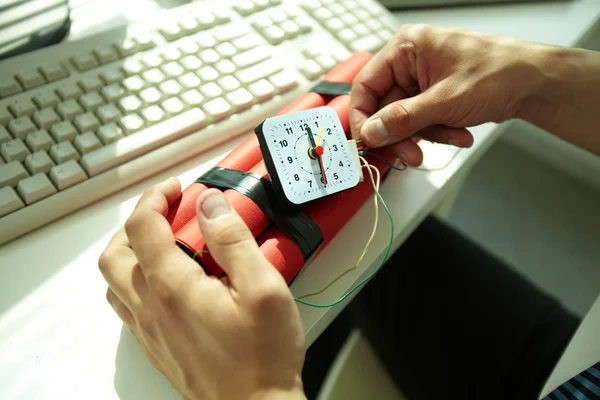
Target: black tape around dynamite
point(330, 88)
point(296, 225)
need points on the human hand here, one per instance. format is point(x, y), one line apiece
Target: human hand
point(238, 337)
point(433, 82)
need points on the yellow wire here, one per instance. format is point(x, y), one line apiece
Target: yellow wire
point(376, 184)
point(320, 135)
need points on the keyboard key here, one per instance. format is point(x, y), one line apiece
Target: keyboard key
point(251, 57)
point(230, 32)
point(258, 71)
point(133, 146)
point(110, 133)
point(191, 63)
point(247, 42)
point(228, 83)
point(87, 142)
point(322, 14)
point(385, 34)
point(114, 92)
point(290, 28)
point(361, 29)
point(206, 41)
point(38, 162)
point(84, 61)
point(173, 105)
point(367, 43)
point(30, 79)
point(171, 54)
point(69, 109)
point(349, 19)
point(209, 56)
point(106, 53)
point(12, 173)
point(4, 135)
point(9, 201)
point(284, 81)
point(374, 24)
point(63, 131)
point(67, 174)
point(240, 99)
point(8, 87)
point(35, 188)
point(217, 109)
point(189, 80)
point(171, 31)
point(68, 91)
point(245, 8)
point(14, 150)
point(278, 16)
point(224, 67)
point(305, 24)
point(346, 35)
point(311, 69)
point(5, 116)
point(22, 107)
point(53, 72)
point(206, 20)
point(337, 9)
point(92, 100)
point(274, 34)
point(262, 23)
point(132, 67)
point(192, 98)
point(108, 113)
point(152, 60)
point(44, 100)
point(208, 73)
point(150, 95)
point(131, 123)
point(130, 103)
point(188, 46)
point(127, 47)
point(170, 87)
point(262, 90)
point(153, 114)
point(112, 76)
point(226, 49)
point(144, 40)
point(211, 90)
point(46, 118)
point(261, 4)
point(334, 25)
point(222, 15)
point(62, 152)
point(326, 61)
point(154, 76)
point(21, 126)
point(173, 69)
point(86, 122)
point(39, 140)
point(189, 24)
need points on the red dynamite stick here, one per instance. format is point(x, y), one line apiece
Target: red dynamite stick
point(248, 154)
point(190, 235)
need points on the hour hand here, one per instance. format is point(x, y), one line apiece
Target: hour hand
point(311, 138)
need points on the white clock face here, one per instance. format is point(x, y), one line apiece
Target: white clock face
point(311, 154)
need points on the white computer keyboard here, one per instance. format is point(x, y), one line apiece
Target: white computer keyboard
point(83, 119)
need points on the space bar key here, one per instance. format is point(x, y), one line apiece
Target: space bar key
point(133, 146)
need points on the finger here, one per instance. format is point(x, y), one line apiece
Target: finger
point(147, 229)
point(230, 242)
point(119, 267)
point(459, 137)
point(393, 65)
point(408, 151)
point(403, 118)
point(120, 309)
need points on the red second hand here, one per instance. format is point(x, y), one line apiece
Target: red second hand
point(319, 152)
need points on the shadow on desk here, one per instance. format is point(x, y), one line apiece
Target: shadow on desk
point(135, 377)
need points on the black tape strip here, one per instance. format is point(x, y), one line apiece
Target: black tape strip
point(330, 88)
point(292, 222)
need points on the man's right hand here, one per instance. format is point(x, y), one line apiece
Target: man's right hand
point(435, 82)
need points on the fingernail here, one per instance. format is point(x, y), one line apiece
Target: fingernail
point(374, 130)
point(454, 142)
point(215, 206)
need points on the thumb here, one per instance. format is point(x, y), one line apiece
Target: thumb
point(229, 240)
point(401, 119)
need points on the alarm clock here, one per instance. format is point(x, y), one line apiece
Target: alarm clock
point(307, 155)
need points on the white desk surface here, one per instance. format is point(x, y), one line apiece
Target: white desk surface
point(59, 337)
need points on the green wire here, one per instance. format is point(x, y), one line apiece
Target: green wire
point(387, 252)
